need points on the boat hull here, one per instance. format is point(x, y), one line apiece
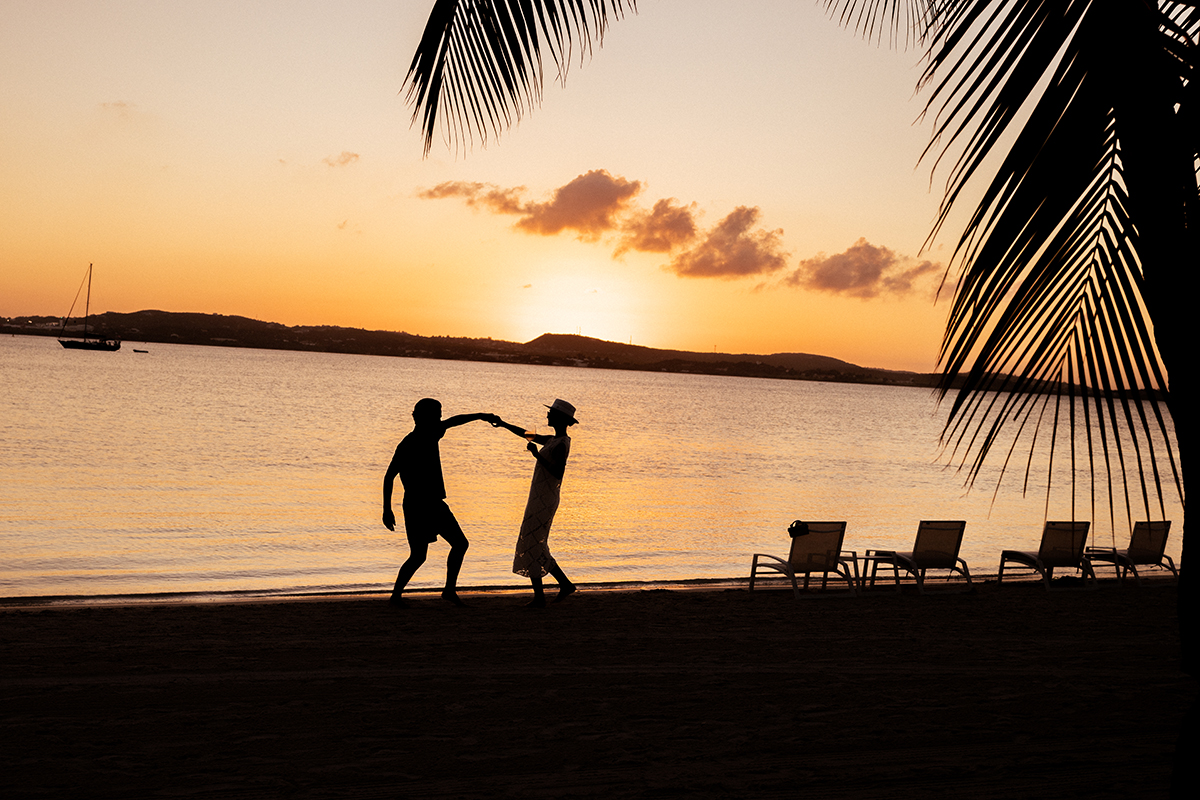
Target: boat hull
point(106, 345)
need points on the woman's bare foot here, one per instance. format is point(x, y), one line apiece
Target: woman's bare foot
point(564, 592)
point(537, 602)
point(453, 599)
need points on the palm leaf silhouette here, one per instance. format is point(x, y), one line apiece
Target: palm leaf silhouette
point(1064, 260)
point(478, 67)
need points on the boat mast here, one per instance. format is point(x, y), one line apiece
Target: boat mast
point(87, 308)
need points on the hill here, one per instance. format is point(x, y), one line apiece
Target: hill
point(550, 349)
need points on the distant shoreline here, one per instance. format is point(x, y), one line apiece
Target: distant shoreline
point(549, 349)
point(217, 330)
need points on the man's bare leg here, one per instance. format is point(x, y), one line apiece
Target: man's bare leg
point(454, 562)
point(418, 551)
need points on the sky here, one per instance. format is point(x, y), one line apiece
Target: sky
point(739, 177)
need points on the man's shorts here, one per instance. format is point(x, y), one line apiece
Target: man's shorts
point(426, 520)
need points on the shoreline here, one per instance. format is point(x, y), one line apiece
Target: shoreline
point(982, 582)
point(549, 349)
point(299, 595)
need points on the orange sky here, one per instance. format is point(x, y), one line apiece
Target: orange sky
point(733, 176)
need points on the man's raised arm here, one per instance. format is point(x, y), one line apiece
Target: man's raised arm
point(463, 419)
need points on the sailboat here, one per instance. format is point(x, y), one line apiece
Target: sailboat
point(88, 341)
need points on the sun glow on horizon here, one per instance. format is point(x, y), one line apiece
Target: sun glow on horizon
point(211, 159)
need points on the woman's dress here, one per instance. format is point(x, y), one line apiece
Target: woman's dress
point(533, 554)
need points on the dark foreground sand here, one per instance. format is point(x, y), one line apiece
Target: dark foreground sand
point(1001, 693)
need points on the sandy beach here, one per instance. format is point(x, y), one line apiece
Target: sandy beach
point(1004, 692)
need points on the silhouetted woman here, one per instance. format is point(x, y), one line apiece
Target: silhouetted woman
point(533, 559)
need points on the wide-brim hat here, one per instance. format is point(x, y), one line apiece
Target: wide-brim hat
point(563, 407)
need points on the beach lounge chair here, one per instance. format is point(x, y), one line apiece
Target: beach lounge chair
point(819, 550)
point(1062, 546)
point(936, 547)
point(1146, 547)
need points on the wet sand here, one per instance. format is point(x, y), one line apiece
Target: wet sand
point(1005, 692)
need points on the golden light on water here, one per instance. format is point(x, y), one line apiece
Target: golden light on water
point(212, 469)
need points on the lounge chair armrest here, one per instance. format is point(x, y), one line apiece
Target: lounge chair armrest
point(757, 556)
point(1020, 556)
point(1106, 555)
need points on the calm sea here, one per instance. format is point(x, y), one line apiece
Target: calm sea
point(200, 469)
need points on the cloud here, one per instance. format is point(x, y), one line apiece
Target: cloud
point(864, 270)
point(589, 205)
point(905, 281)
point(344, 160)
point(597, 204)
point(659, 230)
point(733, 250)
point(119, 107)
point(476, 195)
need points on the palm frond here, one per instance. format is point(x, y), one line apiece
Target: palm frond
point(478, 67)
point(1064, 259)
point(904, 22)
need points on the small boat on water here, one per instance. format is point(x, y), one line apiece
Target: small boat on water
point(88, 341)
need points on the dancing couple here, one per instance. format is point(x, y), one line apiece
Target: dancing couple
point(426, 516)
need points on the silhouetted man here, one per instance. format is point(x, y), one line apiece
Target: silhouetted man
point(418, 462)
